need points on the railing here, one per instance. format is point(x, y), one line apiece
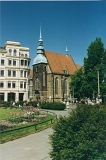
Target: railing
point(34, 125)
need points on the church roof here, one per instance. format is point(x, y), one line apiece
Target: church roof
point(59, 62)
point(40, 58)
point(78, 66)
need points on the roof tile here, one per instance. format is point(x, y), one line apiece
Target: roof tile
point(59, 62)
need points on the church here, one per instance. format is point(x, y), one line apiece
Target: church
point(52, 74)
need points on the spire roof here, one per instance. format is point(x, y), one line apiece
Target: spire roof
point(40, 33)
point(40, 58)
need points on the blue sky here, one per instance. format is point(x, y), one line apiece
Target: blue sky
point(70, 23)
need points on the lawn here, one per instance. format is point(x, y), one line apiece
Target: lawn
point(5, 113)
point(45, 122)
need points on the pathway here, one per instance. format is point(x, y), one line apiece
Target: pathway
point(33, 147)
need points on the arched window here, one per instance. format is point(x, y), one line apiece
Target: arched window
point(15, 52)
point(37, 84)
point(45, 68)
point(36, 68)
point(56, 86)
point(65, 86)
point(10, 51)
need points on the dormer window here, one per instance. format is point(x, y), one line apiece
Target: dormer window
point(65, 71)
point(25, 55)
point(10, 51)
point(15, 52)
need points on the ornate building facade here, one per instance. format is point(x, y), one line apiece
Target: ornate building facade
point(52, 74)
point(14, 72)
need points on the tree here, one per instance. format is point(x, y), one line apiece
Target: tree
point(85, 80)
point(78, 83)
point(81, 135)
point(96, 60)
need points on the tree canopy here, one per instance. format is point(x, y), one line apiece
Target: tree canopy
point(95, 60)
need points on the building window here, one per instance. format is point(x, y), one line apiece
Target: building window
point(14, 62)
point(9, 73)
point(25, 55)
point(43, 78)
point(1, 96)
point(14, 73)
point(15, 52)
point(25, 74)
point(24, 84)
point(1, 73)
point(37, 84)
point(2, 62)
point(25, 62)
point(10, 52)
point(1, 84)
point(13, 84)
point(21, 84)
point(45, 68)
point(9, 62)
point(9, 84)
point(56, 86)
point(37, 69)
point(65, 86)
point(21, 73)
point(22, 62)
point(28, 63)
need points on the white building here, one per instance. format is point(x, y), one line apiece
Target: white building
point(14, 71)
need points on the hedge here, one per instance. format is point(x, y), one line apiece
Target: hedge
point(53, 105)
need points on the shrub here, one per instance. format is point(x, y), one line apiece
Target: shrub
point(53, 105)
point(81, 135)
point(19, 103)
point(4, 104)
point(33, 103)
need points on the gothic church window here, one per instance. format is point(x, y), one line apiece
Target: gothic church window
point(44, 79)
point(45, 68)
point(65, 86)
point(56, 86)
point(37, 84)
point(37, 69)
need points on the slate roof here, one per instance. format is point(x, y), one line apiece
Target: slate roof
point(59, 62)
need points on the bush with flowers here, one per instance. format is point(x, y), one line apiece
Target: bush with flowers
point(29, 114)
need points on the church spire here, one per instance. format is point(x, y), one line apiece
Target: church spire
point(40, 32)
point(66, 51)
point(40, 48)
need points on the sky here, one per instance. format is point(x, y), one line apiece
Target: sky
point(72, 23)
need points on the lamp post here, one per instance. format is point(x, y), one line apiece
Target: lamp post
point(98, 81)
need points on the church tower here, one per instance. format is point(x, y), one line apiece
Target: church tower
point(40, 72)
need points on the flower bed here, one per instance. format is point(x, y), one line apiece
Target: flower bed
point(15, 119)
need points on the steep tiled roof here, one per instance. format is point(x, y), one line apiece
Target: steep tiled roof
point(31, 73)
point(59, 62)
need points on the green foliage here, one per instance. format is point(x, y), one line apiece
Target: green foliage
point(33, 103)
point(20, 103)
point(53, 105)
point(81, 135)
point(85, 80)
point(4, 104)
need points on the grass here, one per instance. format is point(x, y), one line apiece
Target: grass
point(4, 113)
point(11, 135)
